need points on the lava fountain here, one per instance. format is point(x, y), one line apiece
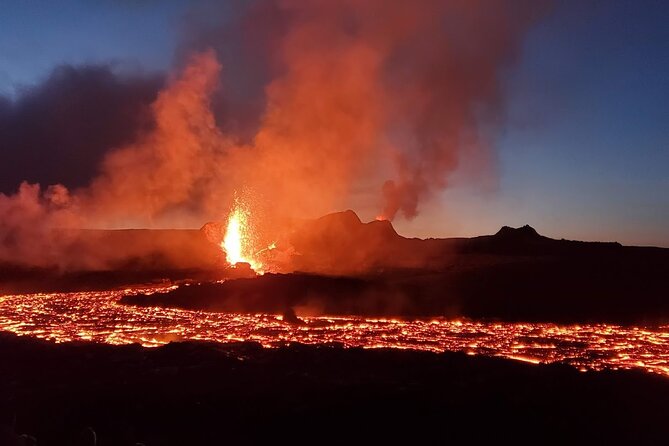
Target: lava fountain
point(239, 241)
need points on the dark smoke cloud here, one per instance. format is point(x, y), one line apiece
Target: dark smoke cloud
point(59, 130)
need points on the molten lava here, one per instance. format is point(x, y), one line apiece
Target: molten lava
point(97, 316)
point(238, 241)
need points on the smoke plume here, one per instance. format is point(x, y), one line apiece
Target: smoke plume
point(360, 93)
point(302, 103)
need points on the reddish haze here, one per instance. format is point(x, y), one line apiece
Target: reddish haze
point(370, 95)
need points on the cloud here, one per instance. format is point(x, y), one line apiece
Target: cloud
point(59, 130)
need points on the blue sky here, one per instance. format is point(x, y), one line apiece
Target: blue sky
point(584, 153)
point(584, 150)
point(36, 35)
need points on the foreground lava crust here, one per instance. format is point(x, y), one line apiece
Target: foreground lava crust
point(99, 317)
point(241, 393)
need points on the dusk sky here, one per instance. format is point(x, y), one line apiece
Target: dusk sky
point(583, 151)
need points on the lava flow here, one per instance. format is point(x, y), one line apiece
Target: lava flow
point(99, 317)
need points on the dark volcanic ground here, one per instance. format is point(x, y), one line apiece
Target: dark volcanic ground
point(203, 393)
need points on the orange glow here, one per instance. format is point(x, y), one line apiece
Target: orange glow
point(96, 316)
point(238, 241)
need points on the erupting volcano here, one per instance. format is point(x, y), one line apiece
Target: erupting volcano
point(290, 221)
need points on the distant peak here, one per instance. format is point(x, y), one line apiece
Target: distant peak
point(526, 231)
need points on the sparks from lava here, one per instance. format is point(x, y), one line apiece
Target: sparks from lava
point(238, 240)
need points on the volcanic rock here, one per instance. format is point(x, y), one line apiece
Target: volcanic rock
point(526, 232)
point(213, 231)
point(341, 243)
